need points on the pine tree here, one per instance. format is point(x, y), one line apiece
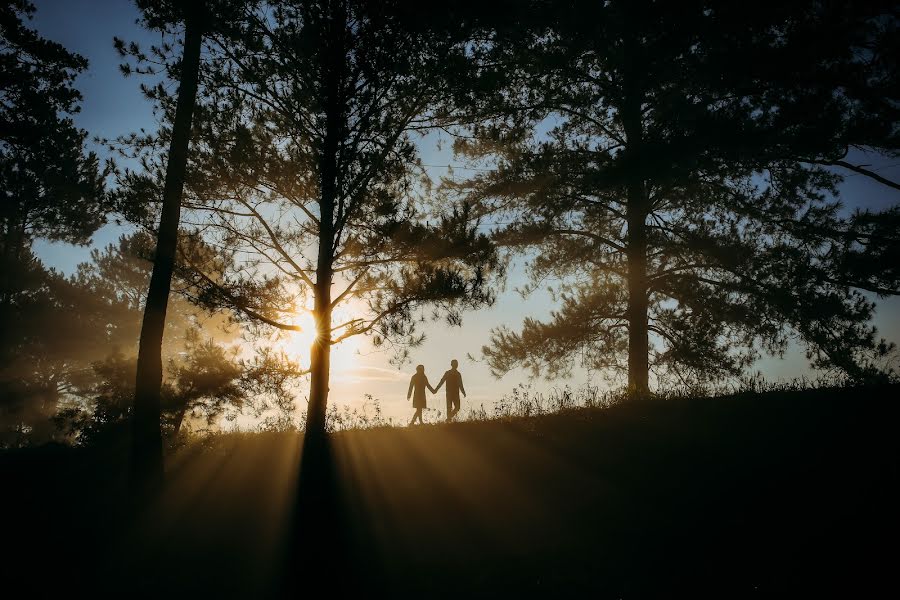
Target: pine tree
point(663, 163)
point(307, 169)
point(147, 457)
point(52, 190)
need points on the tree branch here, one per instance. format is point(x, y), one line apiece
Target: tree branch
point(859, 169)
point(348, 289)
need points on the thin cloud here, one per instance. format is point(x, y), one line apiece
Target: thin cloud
point(371, 373)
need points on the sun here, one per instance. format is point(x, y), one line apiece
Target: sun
point(298, 344)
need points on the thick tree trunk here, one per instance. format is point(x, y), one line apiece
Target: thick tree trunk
point(636, 250)
point(320, 354)
point(317, 545)
point(636, 216)
point(332, 70)
point(147, 458)
point(320, 366)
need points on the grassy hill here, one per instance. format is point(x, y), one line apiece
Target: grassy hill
point(749, 495)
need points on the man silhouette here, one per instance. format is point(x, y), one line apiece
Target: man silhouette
point(453, 379)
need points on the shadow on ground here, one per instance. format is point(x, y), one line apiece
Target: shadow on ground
point(737, 496)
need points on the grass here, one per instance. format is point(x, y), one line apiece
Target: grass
point(759, 492)
point(525, 402)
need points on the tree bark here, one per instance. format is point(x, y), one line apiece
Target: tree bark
point(636, 251)
point(147, 457)
point(317, 546)
point(320, 364)
point(636, 217)
point(320, 355)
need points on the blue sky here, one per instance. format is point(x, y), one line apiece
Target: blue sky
point(113, 106)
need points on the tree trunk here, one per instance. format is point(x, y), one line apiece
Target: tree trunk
point(147, 458)
point(636, 250)
point(179, 420)
point(13, 252)
point(320, 365)
point(332, 70)
point(636, 217)
point(317, 549)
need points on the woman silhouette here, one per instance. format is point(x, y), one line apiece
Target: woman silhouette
point(418, 382)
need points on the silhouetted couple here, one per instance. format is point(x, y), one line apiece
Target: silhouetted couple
point(419, 381)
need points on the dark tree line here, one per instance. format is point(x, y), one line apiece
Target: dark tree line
point(304, 166)
point(664, 163)
point(52, 189)
point(672, 168)
point(68, 343)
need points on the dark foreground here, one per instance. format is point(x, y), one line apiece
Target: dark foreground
point(746, 496)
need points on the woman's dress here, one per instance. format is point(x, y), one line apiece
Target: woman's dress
point(419, 382)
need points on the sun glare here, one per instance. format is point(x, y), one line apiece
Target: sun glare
point(298, 345)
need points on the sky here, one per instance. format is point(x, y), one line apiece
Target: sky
point(113, 106)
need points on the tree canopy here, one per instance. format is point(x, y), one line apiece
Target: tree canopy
point(665, 164)
point(305, 167)
point(53, 190)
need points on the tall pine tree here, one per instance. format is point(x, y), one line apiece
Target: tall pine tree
point(147, 457)
point(663, 163)
point(307, 168)
point(197, 19)
point(52, 189)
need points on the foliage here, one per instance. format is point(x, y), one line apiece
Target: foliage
point(52, 190)
point(254, 179)
point(304, 167)
point(205, 382)
point(74, 376)
point(662, 165)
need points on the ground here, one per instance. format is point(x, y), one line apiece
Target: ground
point(750, 495)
